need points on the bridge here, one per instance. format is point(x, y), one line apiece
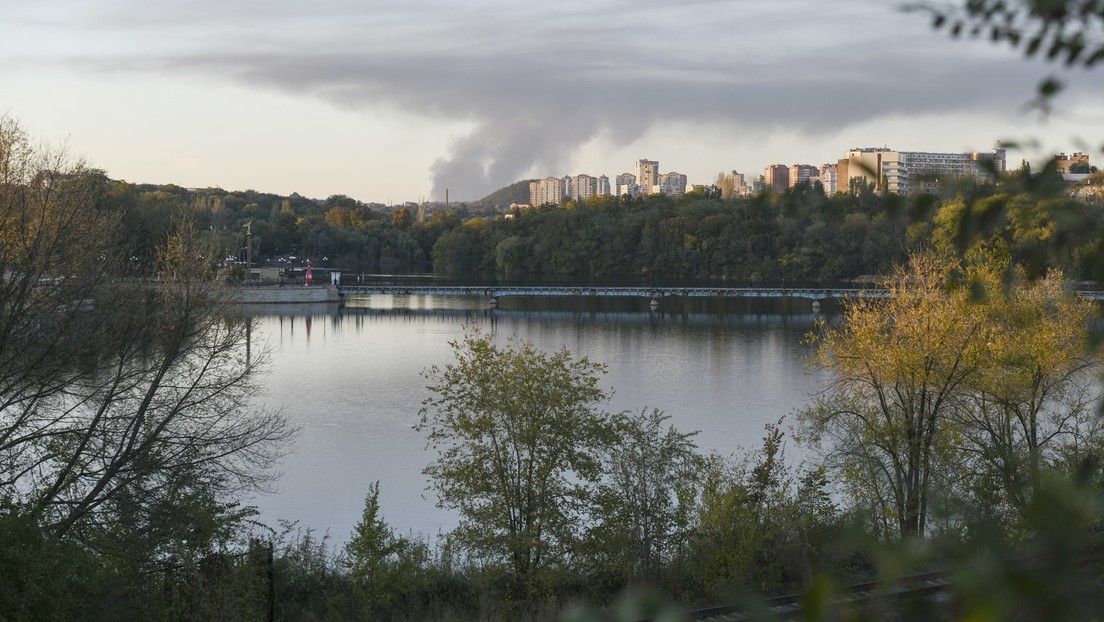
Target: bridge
point(816, 294)
point(654, 294)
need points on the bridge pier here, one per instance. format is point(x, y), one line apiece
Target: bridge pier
point(494, 302)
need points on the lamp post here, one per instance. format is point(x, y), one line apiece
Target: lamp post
point(248, 251)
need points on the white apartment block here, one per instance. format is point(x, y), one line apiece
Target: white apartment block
point(603, 186)
point(582, 187)
point(578, 188)
point(905, 172)
point(625, 183)
point(548, 190)
point(671, 184)
point(647, 174)
point(829, 178)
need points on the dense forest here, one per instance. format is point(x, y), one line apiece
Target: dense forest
point(799, 235)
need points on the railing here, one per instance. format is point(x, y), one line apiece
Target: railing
point(653, 293)
point(494, 292)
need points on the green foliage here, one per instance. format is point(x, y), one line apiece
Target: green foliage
point(43, 577)
point(461, 251)
point(519, 435)
point(1039, 233)
point(389, 571)
point(309, 578)
point(759, 530)
point(645, 503)
point(499, 200)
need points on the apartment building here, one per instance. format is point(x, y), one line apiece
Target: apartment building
point(732, 184)
point(671, 184)
point(776, 177)
point(1064, 161)
point(801, 172)
point(905, 172)
point(625, 183)
point(603, 186)
point(647, 175)
point(582, 187)
point(548, 190)
point(828, 176)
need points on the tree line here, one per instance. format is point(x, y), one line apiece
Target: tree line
point(799, 235)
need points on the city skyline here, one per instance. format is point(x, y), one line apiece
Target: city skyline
point(393, 103)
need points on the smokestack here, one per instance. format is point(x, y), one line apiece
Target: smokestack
point(446, 198)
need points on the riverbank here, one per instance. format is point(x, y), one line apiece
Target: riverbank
point(284, 294)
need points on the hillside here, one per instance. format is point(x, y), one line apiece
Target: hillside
point(517, 192)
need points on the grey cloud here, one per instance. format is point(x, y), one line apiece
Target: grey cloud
point(531, 112)
point(538, 84)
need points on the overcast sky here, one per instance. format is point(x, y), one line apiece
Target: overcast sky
point(395, 101)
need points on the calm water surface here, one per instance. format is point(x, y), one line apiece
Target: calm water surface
point(351, 378)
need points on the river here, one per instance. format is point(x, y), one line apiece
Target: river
point(350, 376)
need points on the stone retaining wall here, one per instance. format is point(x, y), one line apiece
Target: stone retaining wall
point(275, 294)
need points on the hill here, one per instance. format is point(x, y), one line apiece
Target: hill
point(517, 192)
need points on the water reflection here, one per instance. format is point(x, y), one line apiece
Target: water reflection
point(746, 313)
point(351, 377)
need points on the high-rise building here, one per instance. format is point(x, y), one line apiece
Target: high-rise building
point(671, 184)
point(776, 177)
point(625, 183)
point(603, 185)
point(801, 172)
point(583, 187)
point(732, 184)
point(828, 177)
point(548, 190)
point(647, 174)
point(905, 172)
point(864, 165)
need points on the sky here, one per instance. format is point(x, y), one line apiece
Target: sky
point(398, 101)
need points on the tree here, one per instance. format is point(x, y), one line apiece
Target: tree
point(1031, 410)
point(899, 365)
point(119, 401)
point(647, 497)
point(402, 218)
point(163, 411)
point(968, 379)
point(519, 435)
point(756, 523)
point(383, 565)
point(460, 251)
